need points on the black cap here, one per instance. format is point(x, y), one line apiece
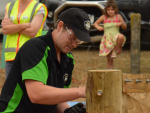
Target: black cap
point(79, 22)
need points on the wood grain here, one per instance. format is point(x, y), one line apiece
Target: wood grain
point(135, 43)
point(110, 82)
point(132, 105)
point(133, 87)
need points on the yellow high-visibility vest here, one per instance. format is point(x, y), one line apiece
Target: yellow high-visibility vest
point(15, 41)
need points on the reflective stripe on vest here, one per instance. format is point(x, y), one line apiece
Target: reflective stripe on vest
point(15, 41)
point(10, 49)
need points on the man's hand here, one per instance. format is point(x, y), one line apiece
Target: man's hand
point(77, 108)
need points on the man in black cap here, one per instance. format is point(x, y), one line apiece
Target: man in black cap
point(39, 79)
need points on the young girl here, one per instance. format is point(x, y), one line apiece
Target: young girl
point(112, 40)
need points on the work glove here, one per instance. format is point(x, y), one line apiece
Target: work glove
point(77, 108)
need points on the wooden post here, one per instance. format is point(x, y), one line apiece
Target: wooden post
point(135, 43)
point(110, 83)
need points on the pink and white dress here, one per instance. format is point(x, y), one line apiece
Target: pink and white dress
point(110, 36)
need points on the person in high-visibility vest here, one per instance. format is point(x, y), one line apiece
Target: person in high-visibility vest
point(23, 20)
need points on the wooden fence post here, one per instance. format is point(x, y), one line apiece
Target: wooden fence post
point(110, 83)
point(135, 43)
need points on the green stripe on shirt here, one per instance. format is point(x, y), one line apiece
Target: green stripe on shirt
point(71, 56)
point(15, 100)
point(39, 72)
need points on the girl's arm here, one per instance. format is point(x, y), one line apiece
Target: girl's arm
point(35, 26)
point(123, 24)
point(100, 20)
point(10, 28)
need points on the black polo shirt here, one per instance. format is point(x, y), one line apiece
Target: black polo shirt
point(36, 60)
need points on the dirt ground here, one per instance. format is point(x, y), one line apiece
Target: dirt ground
point(2, 71)
point(2, 78)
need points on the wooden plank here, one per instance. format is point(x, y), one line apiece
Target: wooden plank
point(133, 87)
point(131, 105)
point(110, 82)
point(143, 98)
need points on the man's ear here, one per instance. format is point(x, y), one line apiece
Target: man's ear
point(60, 25)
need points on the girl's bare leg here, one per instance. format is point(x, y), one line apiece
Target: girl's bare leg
point(118, 46)
point(109, 61)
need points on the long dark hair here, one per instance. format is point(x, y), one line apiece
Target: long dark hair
point(110, 3)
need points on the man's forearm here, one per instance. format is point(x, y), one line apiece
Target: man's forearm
point(57, 95)
point(48, 95)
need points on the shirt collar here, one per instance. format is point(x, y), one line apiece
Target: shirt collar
point(49, 41)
